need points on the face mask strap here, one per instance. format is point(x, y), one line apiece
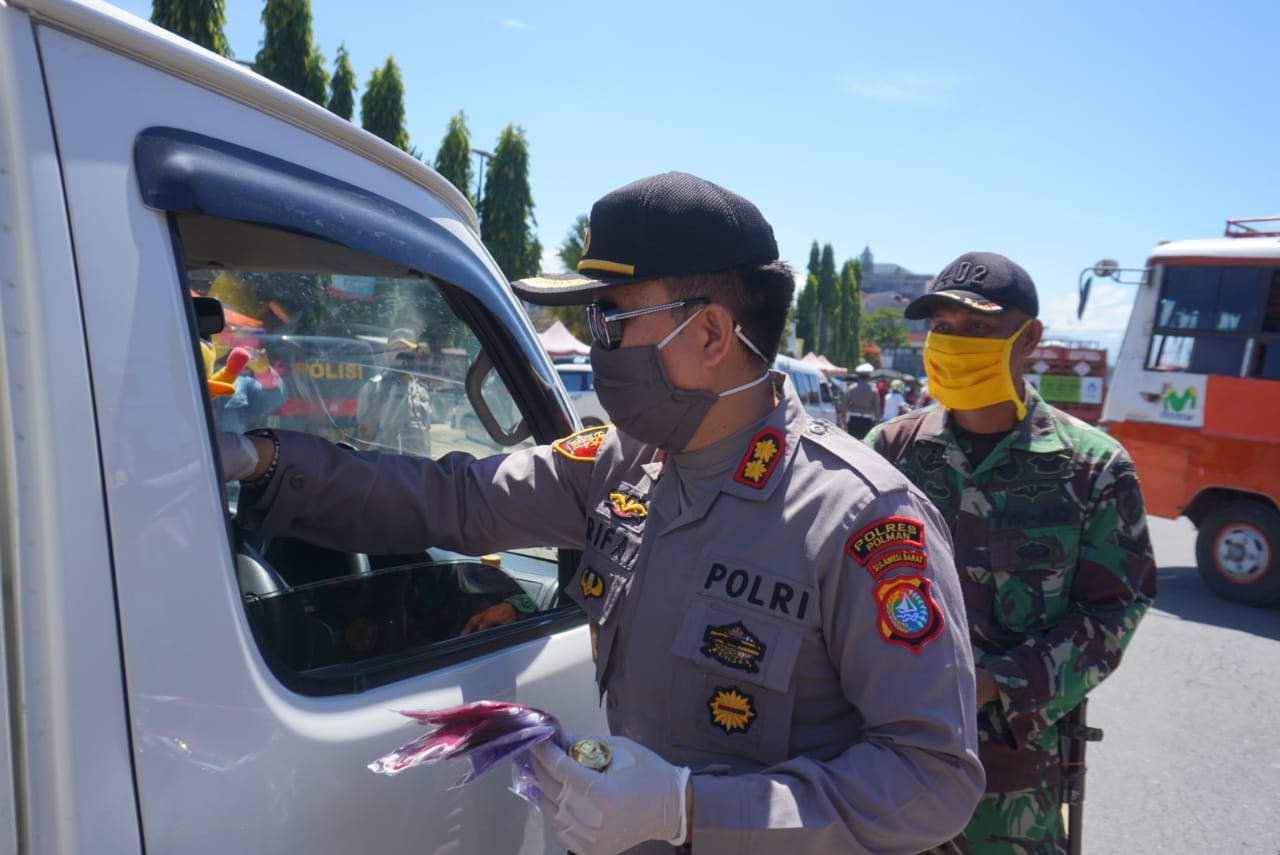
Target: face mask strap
point(736, 389)
point(675, 332)
point(1007, 356)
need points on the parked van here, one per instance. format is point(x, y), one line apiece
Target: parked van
point(823, 396)
point(171, 684)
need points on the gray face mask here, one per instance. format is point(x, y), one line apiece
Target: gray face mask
point(633, 388)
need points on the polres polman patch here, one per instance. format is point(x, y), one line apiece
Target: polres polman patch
point(890, 531)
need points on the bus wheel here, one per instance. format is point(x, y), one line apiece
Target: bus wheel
point(1238, 553)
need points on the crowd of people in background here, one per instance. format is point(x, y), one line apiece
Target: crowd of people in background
point(869, 401)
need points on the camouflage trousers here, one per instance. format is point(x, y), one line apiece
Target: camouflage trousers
point(1024, 822)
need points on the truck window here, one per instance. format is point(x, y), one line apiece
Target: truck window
point(1214, 320)
point(373, 356)
point(367, 324)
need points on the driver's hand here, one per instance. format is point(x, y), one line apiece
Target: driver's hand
point(238, 454)
point(499, 615)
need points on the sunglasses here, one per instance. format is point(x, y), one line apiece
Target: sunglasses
point(605, 321)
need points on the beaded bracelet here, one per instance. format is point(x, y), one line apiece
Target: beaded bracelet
point(262, 480)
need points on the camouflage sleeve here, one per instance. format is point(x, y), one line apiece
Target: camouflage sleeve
point(1114, 582)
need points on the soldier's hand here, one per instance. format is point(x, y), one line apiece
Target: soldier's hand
point(988, 690)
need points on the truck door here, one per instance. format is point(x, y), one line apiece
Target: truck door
point(261, 676)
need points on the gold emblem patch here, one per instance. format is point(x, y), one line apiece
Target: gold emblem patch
point(592, 584)
point(731, 710)
point(582, 445)
point(734, 645)
point(763, 454)
point(627, 507)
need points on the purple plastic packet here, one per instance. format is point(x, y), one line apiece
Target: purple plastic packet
point(484, 732)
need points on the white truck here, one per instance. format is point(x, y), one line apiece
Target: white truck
point(170, 684)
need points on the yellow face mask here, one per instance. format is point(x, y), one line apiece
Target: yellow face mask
point(971, 373)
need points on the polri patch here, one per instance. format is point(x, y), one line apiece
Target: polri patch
point(731, 710)
point(591, 583)
point(627, 507)
point(890, 531)
point(908, 615)
point(582, 445)
point(734, 645)
point(763, 453)
point(897, 558)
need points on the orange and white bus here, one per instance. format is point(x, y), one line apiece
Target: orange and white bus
point(1195, 398)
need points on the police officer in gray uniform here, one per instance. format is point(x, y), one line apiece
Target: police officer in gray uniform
point(779, 633)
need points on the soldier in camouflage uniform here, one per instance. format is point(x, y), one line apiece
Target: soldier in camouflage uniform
point(1050, 537)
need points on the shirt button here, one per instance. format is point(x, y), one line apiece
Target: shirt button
point(819, 429)
point(297, 480)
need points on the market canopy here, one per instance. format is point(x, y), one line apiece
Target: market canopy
point(558, 341)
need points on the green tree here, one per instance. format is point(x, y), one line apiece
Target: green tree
point(815, 259)
point(807, 313)
point(850, 343)
point(506, 211)
point(453, 160)
point(342, 86)
point(828, 301)
point(287, 56)
point(884, 327)
point(382, 105)
point(200, 21)
point(570, 251)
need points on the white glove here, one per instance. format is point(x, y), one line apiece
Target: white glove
point(238, 454)
point(638, 797)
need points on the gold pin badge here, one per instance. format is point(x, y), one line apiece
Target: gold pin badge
point(592, 753)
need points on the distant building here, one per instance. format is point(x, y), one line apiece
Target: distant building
point(883, 278)
point(894, 286)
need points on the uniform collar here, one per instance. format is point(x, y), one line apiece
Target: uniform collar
point(767, 450)
point(1037, 432)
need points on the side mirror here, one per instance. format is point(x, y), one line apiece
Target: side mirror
point(209, 317)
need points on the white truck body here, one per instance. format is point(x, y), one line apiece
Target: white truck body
point(139, 711)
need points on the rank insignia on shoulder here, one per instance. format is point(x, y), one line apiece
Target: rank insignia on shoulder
point(908, 615)
point(731, 709)
point(734, 645)
point(763, 453)
point(582, 445)
point(627, 507)
point(890, 531)
point(591, 583)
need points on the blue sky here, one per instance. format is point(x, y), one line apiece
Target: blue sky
point(1056, 134)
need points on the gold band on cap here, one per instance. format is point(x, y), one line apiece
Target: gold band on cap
point(607, 266)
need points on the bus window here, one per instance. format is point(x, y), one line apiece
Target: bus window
point(1209, 298)
point(1271, 316)
point(1199, 355)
